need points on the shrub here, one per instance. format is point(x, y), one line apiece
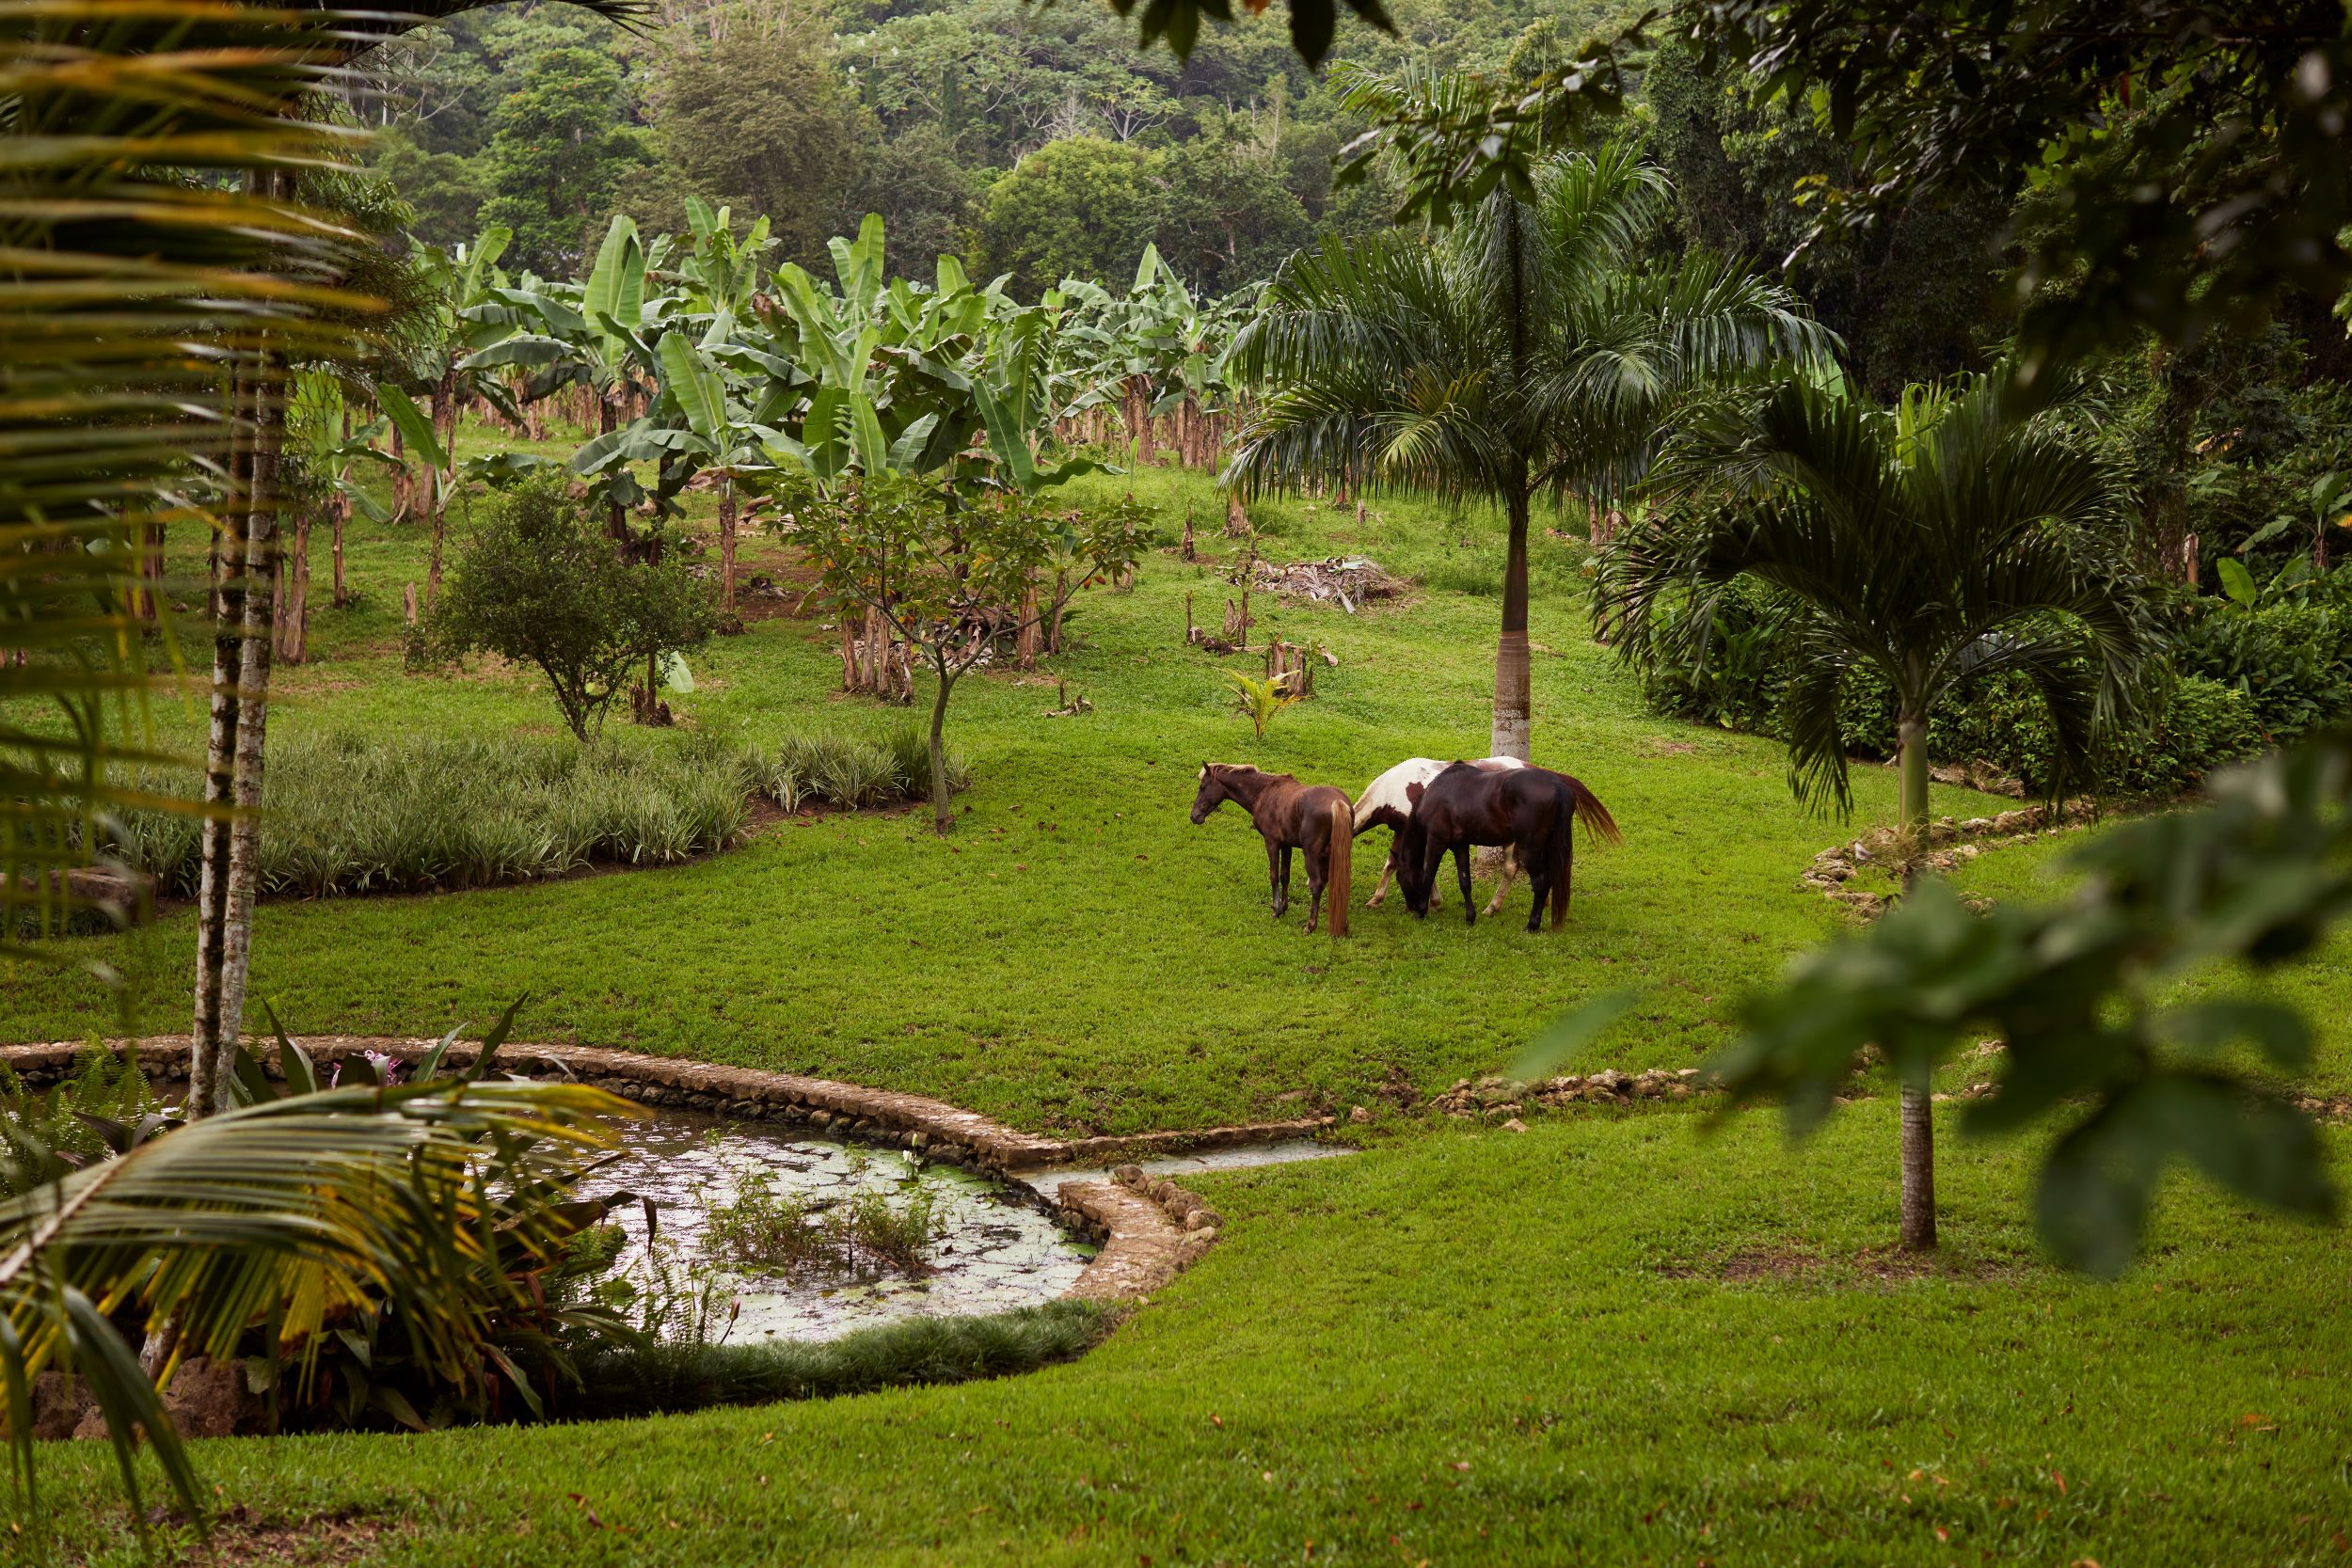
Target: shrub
point(2277, 666)
point(2291, 657)
point(540, 582)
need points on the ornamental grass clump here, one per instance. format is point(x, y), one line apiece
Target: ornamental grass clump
point(357, 814)
point(849, 773)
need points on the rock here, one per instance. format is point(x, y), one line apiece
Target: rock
point(205, 1399)
point(820, 1118)
point(1203, 1219)
point(1514, 1125)
point(1686, 1073)
point(1128, 1176)
point(918, 1140)
point(1977, 825)
point(1358, 1115)
point(59, 1402)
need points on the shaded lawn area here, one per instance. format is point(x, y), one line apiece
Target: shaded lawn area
point(1610, 1340)
point(1076, 958)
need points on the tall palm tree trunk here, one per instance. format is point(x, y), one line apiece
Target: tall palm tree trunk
point(1513, 677)
point(243, 611)
point(1917, 1225)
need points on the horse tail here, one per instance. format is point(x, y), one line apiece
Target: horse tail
point(1595, 816)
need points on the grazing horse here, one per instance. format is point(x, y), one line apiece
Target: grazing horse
point(1533, 809)
point(1384, 804)
point(1288, 816)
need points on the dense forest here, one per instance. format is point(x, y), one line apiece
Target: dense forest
point(1038, 140)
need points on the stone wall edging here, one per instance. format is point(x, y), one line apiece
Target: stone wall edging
point(1143, 1247)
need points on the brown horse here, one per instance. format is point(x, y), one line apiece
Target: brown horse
point(1534, 810)
point(1288, 816)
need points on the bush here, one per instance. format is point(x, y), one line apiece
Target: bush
point(540, 582)
point(2292, 657)
point(2218, 711)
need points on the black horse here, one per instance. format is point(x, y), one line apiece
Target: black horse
point(1534, 810)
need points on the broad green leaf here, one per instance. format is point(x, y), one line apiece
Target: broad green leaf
point(866, 436)
point(675, 675)
point(2236, 581)
point(697, 388)
point(1007, 439)
point(415, 428)
point(2278, 1033)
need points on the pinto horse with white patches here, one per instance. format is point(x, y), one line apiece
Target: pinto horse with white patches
point(1534, 810)
point(1385, 803)
point(1288, 816)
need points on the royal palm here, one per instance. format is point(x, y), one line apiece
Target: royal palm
point(1531, 347)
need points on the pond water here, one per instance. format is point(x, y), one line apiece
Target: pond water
point(992, 1250)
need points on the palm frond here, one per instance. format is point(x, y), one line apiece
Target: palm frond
point(285, 1213)
point(137, 289)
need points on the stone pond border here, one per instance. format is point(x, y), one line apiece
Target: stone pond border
point(1144, 1236)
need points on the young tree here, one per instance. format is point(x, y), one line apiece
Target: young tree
point(1531, 347)
point(1943, 539)
point(538, 583)
point(953, 572)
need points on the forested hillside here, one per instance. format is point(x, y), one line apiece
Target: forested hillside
point(1038, 141)
point(1036, 138)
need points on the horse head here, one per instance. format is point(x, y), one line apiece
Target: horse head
point(1213, 792)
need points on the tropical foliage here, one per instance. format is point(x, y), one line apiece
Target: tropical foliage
point(1534, 347)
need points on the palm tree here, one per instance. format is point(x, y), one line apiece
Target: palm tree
point(1939, 540)
point(1531, 347)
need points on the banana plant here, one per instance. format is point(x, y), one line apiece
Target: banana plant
point(721, 438)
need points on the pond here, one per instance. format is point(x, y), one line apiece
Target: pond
point(843, 1235)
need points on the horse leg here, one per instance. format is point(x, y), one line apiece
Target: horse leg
point(1380, 889)
point(1461, 875)
point(1560, 880)
point(1282, 882)
point(1538, 883)
point(1318, 870)
point(1275, 856)
point(1510, 875)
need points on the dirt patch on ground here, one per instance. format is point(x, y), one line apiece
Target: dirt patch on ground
point(238, 1537)
point(1746, 1266)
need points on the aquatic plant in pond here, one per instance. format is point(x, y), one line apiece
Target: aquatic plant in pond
point(859, 1237)
point(796, 1236)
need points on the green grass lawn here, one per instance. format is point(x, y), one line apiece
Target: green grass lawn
point(1612, 1339)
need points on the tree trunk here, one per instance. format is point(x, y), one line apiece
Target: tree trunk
point(1918, 1107)
point(433, 558)
point(233, 756)
point(939, 814)
point(293, 608)
point(726, 546)
point(339, 513)
point(1031, 633)
point(1514, 682)
point(214, 1033)
point(616, 521)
